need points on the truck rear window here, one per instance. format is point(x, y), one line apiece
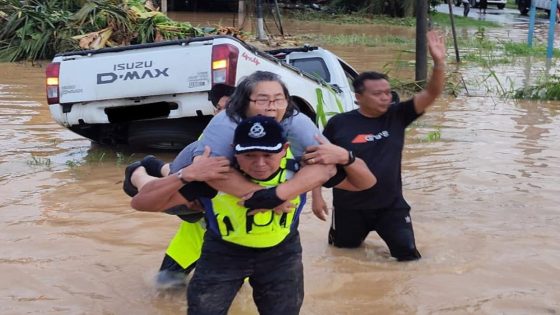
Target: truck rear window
point(313, 66)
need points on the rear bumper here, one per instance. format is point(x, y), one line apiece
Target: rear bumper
point(128, 110)
point(160, 122)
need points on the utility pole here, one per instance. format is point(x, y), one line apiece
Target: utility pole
point(277, 11)
point(421, 49)
point(454, 32)
point(260, 22)
point(241, 14)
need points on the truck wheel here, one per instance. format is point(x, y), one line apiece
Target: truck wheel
point(174, 140)
point(501, 6)
point(170, 134)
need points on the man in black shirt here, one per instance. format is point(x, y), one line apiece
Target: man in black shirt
point(375, 132)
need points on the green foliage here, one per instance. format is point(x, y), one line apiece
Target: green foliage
point(442, 20)
point(355, 18)
point(522, 49)
point(100, 156)
point(482, 50)
point(547, 88)
point(122, 158)
point(477, 47)
point(394, 8)
point(434, 135)
point(72, 163)
point(99, 14)
point(34, 29)
point(363, 40)
point(490, 53)
point(431, 136)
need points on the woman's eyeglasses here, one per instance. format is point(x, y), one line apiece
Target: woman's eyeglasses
point(279, 102)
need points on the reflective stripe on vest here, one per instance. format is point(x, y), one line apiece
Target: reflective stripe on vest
point(230, 221)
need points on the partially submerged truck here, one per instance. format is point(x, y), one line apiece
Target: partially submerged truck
point(156, 95)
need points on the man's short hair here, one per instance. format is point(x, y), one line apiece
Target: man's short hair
point(218, 91)
point(358, 83)
point(258, 133)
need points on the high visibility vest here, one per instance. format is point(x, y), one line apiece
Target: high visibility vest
point(186, 245)
point(228, 220)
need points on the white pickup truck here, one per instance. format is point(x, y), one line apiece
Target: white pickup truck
point(156, 95)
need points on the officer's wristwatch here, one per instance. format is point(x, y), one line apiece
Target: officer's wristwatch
point(351, 158)
point(180, 176)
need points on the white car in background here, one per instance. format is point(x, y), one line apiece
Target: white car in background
point(501, 4)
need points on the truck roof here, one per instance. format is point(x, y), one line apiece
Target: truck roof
point(275, 55)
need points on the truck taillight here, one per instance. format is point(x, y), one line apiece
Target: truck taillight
point(224, 64)
point(53, 96)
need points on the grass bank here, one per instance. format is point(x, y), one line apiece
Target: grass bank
point(437, 19)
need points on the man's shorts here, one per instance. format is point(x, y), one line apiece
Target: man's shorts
point(349, 228)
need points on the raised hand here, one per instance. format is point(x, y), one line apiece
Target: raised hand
point(436, 46)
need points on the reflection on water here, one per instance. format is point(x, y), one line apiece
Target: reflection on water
point(485, 204)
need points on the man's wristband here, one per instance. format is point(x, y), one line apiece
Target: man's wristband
point(351, 158)
point(180, 176)
point(263, 199)
point(337, 178)
point(194, 190)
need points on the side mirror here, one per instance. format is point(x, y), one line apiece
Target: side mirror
point(336, 88)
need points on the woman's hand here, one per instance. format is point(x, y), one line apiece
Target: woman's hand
point(325, 153)
point(318, 205)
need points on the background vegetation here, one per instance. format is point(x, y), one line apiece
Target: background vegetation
point(33, 29)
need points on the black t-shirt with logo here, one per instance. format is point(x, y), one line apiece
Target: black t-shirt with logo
point(379, 142)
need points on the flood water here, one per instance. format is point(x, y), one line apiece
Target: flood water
point(485, 199)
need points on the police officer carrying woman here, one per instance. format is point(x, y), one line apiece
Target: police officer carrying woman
point(240, 230)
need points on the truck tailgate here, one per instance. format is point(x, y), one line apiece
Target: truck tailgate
point(135, 73)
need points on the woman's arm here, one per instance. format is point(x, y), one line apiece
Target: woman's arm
point(159, 194)
point(318, 204)
point(300, 132)
point(305, 180)
point(234, 184)
point(358, 175)
point(218, 135)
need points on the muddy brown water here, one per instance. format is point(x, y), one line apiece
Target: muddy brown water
point(485, 200)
